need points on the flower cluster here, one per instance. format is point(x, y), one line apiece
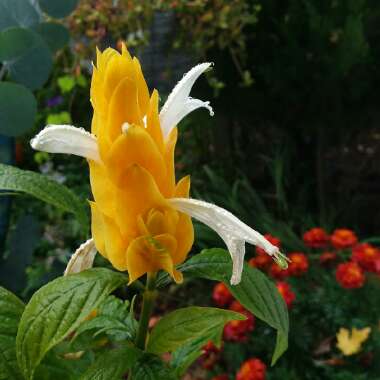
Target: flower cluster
point(252, 369)
point(331, 249)
point(342, 258)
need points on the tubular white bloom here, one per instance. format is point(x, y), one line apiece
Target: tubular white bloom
point(232, 230)
point(179, 104)
point(82, 259)
point(67, 139)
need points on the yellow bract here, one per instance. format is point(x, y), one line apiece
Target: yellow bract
point(133, 224)
point(350, 343)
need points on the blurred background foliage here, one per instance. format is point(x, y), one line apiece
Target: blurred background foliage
point(296, 136)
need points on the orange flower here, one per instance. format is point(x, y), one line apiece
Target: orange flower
point(275, 241)
point(349, 275)
point(343, 238)
point(316, 238)
point(286, 292)
point(237, 331)
point(252, 369)
point(327, 258)
point(298, 265)
point(221, 295)
point(260, 261)
point(366, 255)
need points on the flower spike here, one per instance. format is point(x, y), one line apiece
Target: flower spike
point(67, 139)
point(232, 230)
point(179, 104)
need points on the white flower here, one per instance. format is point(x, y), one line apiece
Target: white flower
point(232, 230)
point(82, 259)
point(66, 139)
point(179, 104)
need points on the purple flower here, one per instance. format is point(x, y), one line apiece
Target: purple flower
point(54, 101)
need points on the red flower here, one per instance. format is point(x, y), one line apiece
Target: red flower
point(210, 355)
point(286, 292)
point(252, 369)
point(343, 238)
point(221, 377)
point(276, 242)
point(366, 255)
point(349, 275)
point(237, 331)
point(260, 262)
point(316, 238)
point(276, 272)
point(298, 265)
point(327, 258)
point(221, 295)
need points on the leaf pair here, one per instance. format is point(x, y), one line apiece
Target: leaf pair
point(255, 292)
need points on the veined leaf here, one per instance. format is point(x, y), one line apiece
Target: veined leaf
point(113, 364)
point(43, 188)
point(11, 309)
point(113, 318)
point(255, 291)
point(57, 309)
point(185, 355)
point(151, 367)
point(185, 325)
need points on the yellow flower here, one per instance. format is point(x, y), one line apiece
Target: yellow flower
point(349, 343)
point(141, 217)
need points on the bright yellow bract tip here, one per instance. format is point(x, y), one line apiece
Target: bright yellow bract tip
point(133, 224)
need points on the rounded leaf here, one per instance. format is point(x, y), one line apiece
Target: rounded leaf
point(13, 98)
point(58, 8)
point(55, 35)
point(17, 13)
point(26, 56)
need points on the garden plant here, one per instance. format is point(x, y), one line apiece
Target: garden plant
point(113, 265)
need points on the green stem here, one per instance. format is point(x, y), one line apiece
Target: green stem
point(147, 308)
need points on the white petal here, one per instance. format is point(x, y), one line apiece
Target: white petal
point(179, 104)
point(67, 139)
point(232, 230)
point(82, 259)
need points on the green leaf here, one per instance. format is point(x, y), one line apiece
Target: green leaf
point(43, 188)
point(151, 367)
point(57, 309)
point(26, 56)
point(66, 83)
point(13, 268)
point(55, 35)
point(14, 97)
point(113, 318)
point(185, 355)
point(58, 8)
point(11, 309)
point(17, 13)
point(113, 364)
point(185, 325)
point(255, 292)
point(58, 118)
